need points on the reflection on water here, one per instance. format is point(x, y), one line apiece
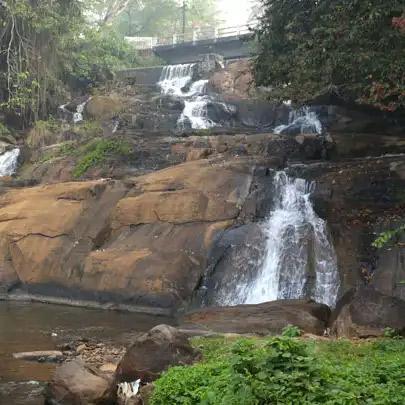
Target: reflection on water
point(32, 326)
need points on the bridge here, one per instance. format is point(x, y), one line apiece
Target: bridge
point(229, 42)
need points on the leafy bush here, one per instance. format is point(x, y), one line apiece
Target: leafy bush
point(89, 129)
point(392, 333)
point(291, 331)
point(4, 130)
point(97, 152)
point(95, 55)
point(284, 370)
point(385, 237)
point(351, 48)
point(44, 133)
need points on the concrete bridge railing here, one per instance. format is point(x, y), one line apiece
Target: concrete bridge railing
point(194, 36)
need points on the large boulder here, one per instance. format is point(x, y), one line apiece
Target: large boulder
point(46, 231)
point(104, 107)
point(366, 312)
point(142, 243)
point(235, 80)
point(261, 319)
point(154, 352)
point(74, 383)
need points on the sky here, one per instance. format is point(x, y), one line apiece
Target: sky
point(235, 12)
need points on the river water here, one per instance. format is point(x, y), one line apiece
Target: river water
point(34, 326)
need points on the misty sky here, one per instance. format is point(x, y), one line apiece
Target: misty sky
point(235, 12)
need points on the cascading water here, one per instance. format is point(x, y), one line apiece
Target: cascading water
point(304, 120)
point(8, 162)
point(299, 260)
point(175, 77)
point(173, 81)
point(77, 116)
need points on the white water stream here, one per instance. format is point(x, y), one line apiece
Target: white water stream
point(305, 119)
point(173, 81)
point(8, 162)
point(299, 260)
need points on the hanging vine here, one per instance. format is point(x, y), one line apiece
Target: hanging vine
point(33, 34)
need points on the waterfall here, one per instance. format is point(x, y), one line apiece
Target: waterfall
point(8, 162)
point(173, 81)
point(175, 77)
point(299, 260)
point(304, 120)
point(78, 115)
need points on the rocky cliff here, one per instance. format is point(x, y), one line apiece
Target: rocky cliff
point(146, 225)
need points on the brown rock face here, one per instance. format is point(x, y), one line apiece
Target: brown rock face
point(104, 107)
point(145, 243)
point(235, 80)
point(263, 319)
point(45, 231)
point(366, 312)
point(154, 352)
point(74, 383)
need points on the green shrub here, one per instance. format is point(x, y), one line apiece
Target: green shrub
point(4, 130)
point(284, 370)
point(44, 133)
point(97, 151)
point(392, 333)
point(385, 237)
point(291, 331)
point(89, 129)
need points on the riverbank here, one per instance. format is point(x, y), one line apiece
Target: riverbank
point(34, 326)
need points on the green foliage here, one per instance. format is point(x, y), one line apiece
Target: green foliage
point(51, 125)
point(392, 333)
point(30, 64)
point(95, 55)
point(98, 151)
point(351, 48)
point(4, 130)
point(89, 129)
point(385, 237)
point(284, 370)
point(291, 331)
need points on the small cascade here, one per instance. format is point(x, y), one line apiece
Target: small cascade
point(303, 121)
point(8, 162)
point(78, 115)
point(175, 78)
point(174, 81)
point(299, 259)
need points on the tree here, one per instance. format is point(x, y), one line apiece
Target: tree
point(33, 37)
point(45, 46)
point(164, 17)
point(354, 49)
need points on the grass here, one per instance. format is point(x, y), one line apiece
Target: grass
point(287, 370)
point(96, 152)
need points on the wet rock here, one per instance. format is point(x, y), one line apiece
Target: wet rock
point(154, 352)
point(43, 356)
point(74, 383)
point(234, 261)
point(261, 319)
point(366, 312)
